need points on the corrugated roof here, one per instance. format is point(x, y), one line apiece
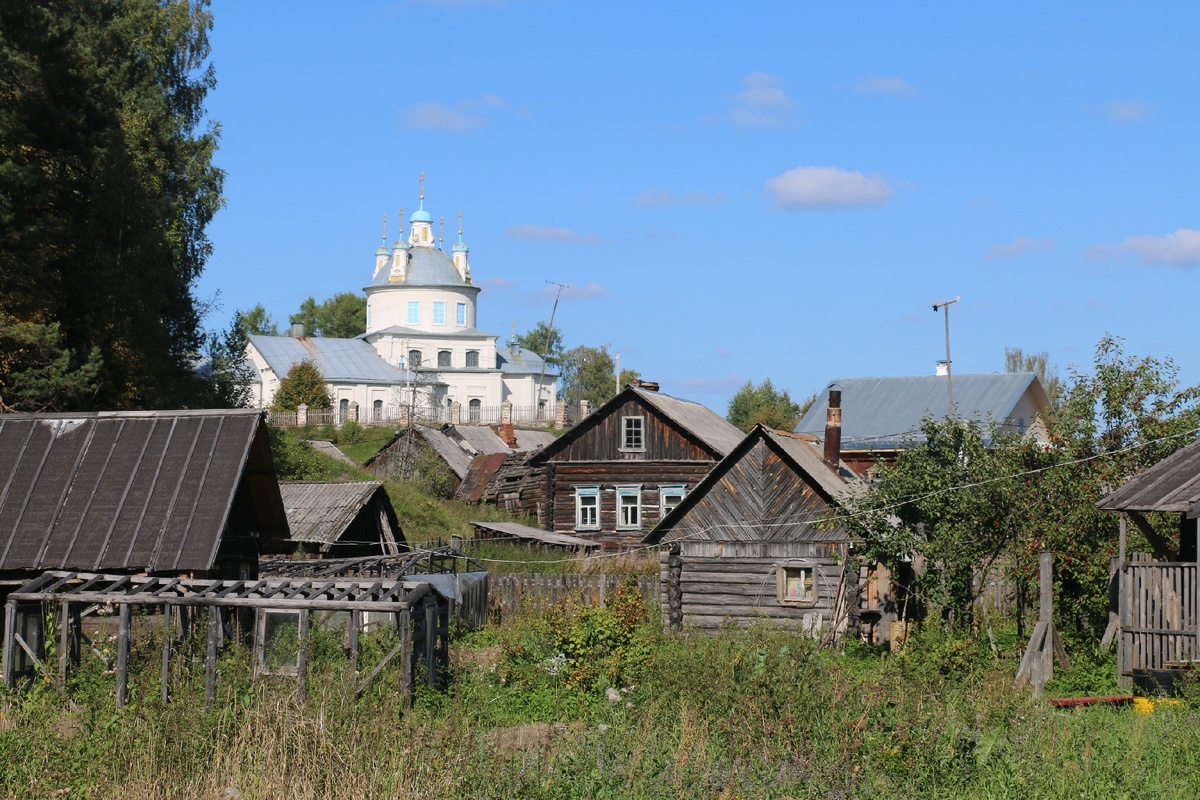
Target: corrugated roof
point(700, 421)
point(515, 360)
point(320, 511)
point(427, 266)
point(130, 490)
point(1172, 484)
point(886, 413)
point(339, 360)
point(481, 438)
point(526, 533)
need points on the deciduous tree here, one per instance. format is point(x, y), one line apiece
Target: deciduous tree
point(763, 404)
point(342, 316)
point(257, 322)
point(303, 385)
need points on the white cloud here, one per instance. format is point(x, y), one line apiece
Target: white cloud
point(547, 234)
point(884, 84)
point(463, 116)
point(762, 104)
point(827, 187)
point(1128, 111)
point(656, 197)
point(1019, 247)
point(1180, 249)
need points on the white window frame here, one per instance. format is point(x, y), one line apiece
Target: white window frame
point(414, 312)
point(798, 583)
point(439, 312)
point(677, 490)
point(626, 427)
point(629, 515)
point(460, 313)
point(587, 515)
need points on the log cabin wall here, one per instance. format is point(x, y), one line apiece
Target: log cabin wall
point(603, 439)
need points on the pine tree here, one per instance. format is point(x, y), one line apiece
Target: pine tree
point(303, 385)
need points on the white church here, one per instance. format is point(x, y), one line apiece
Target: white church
point(421, 355)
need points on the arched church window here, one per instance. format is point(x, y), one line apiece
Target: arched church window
point(472, 358)
point(414, 358)
point(377, 411)
point(475, 409)
point(443, 358)
point(343, 409)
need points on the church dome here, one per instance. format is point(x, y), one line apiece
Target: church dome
point(427, 266)
point(421, 215)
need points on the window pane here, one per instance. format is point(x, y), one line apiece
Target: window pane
point(461, 317)
point(633, 434)
point(414, 358)
point(439, 313)
point(414, 312)
point(443, 358)
point(472, 358)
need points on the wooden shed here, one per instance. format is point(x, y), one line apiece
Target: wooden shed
point(744, 544)
point(344, 519)
point(1155, 614)
point(620, 470)
point(162, 492)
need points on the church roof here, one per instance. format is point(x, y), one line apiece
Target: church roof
point(415, 333)
point(339, 360)
point(427, 266)
point(516, 360)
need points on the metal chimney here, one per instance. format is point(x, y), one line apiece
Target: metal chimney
point(297, 330)
point(833, 430)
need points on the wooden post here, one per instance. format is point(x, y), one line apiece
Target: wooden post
point(430, 644)
point(64, 640)
point(123, 616)
point(10, 616)
point(210, 656)
point(352, 636)
point(406, 681)
point(1121, 539)
point(166, 652)
point(302, 657)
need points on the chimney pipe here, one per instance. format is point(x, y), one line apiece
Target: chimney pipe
point(833, 429)
point(297, 330)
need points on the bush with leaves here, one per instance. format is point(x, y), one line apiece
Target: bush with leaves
point(303, 385)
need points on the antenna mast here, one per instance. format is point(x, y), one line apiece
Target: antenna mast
point(945, 307)
point(549, 338)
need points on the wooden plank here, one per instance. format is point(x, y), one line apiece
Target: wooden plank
point(64, 630)
point(210, 657)
point(1032, 651)
point(166, 654)
point(123, 615)
point(302, 658)
point(406, 648)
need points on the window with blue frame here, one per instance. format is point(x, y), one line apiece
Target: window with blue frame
point(414, 312)
point(587, 508)
point(439, 313)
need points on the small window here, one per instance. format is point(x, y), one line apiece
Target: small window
point(443, 358)
point(368, 315)
point(629, 507)
point(414, 358)
point(633, 435)
point(587, 508)
point(343, 409)
point(797, 583)
point(414, 313)
point(460, 314)
point(669, 497)
point(472, 358)
point(474, 410)
point(377, 411)
point(439, 313)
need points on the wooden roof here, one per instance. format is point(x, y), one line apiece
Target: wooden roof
point(131, 490)
point(515, 530)
point(1172, 484)
point(321, 511)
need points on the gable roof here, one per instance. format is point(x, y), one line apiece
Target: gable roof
point(702, 423)
point(1172, 484)
point(133, 490)
point(886, 413)
point(339, 360)
point(321, 511)
point(795, 449)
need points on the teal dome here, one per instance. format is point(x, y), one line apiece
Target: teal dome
point(381, 251)
point(421, 215)
point(459, 247)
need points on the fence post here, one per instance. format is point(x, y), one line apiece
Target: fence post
point(301, 415)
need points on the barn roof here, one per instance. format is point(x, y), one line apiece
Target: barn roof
point(802, 456)
point(132, 490)
point(1172, 484)
point(320, 511)
point(886, 413)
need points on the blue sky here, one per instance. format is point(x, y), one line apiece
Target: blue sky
point(733, 191)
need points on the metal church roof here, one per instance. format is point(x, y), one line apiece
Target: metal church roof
point(339, 360)
point(131, 490)
point(886, 413)
point(427, 266)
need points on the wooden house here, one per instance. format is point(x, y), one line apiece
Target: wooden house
point(744, 545)
point(346, 519)
point(616, 473)
point(183, 493)
point(1155, 614)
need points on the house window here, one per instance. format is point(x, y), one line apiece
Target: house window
point(587, 508)
point(439, 313)
point(414, 312)
point(443, 358)
point(472, 358)
point(377, 410)
point(632, 433)
point(669, 497)
point(460, 314)
point(797, 582)
point(474, 410)
point(629, 507)
point(414, 358)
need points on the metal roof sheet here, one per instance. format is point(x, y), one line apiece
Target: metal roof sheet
point(481, 438)
point(1172, 484)
point(339, 360)
point(531, 439)
point(700, 421)
point(886, 413)
point(320, 511)
point(515, 360)
point(427, 266)
point(526, 533)
point(483, 467)
point(129, 490)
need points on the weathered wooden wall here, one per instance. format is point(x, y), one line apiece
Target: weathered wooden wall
point(510, 592)
point(1159, 616)
point(602, 440)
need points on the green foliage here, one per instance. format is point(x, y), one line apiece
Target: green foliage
point(1017, 360)
point(295, 460)
point(37, 373)
point(303, 385)
point(589, 374)
point(545, 341)
point(754, 405)
point(256, 321)
point(342, 316)
point(108, 187)
point(350, 432)
point(229, 375)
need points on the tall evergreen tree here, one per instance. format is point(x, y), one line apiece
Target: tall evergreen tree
point(303, 385)
point(107, 186)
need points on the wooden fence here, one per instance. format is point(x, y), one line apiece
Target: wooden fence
point(510, 591)
point(1158, 610)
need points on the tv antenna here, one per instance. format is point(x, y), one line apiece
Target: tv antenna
point(945, 308)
